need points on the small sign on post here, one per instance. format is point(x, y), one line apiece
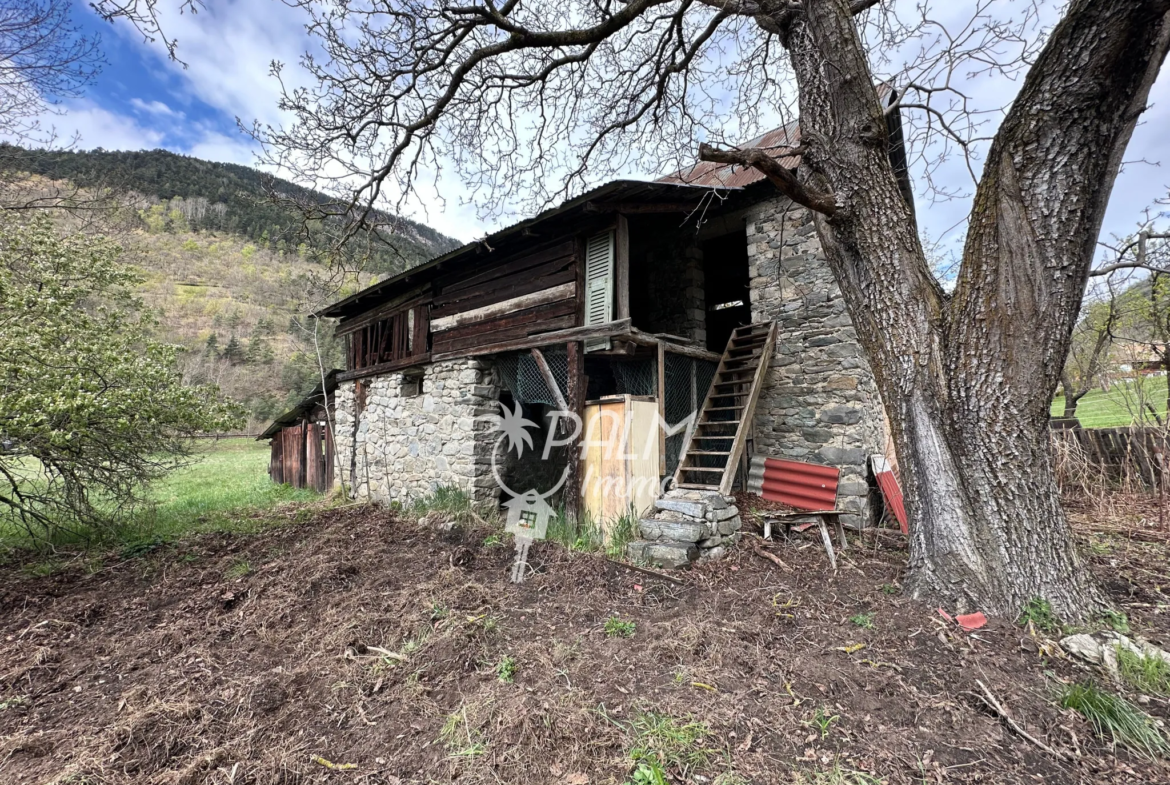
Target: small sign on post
point(528, 516)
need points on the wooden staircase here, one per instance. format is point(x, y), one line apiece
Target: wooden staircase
point(716, 443)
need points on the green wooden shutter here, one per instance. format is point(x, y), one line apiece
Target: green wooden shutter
point(598, 286)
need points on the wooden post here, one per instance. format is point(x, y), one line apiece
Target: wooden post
point(621, 268)
point(550, 380)
point(661, 409)
point(576, 404)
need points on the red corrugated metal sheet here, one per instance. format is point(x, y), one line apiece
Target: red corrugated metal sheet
point(729, 176)
point(891, 491)
point(805, 486)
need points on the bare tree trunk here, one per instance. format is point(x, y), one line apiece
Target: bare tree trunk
point(967, 379)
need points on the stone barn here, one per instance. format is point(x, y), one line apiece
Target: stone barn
point(636, 291)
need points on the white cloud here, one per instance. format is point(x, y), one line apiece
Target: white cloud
point(219, 147)
point(155, 108)
point(93, 126)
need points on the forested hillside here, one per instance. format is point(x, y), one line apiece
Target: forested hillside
point(222, 268)
point(211, 196)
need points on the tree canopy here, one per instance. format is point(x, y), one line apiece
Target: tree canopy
point(92, 407)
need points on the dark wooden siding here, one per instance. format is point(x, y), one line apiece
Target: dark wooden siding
point(531, 273)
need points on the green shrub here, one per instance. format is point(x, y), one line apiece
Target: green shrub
point(619, 628)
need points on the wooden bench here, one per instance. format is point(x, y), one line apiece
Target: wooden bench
point(811, 489)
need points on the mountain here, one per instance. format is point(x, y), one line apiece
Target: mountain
point(213, 196)
point(221, 265)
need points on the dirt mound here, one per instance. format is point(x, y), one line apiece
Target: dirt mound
point(361, 648)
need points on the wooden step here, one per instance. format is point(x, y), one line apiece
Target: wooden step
point(735, 388)
point(697, 486)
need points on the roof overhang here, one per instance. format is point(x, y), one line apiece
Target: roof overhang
point(619, 196)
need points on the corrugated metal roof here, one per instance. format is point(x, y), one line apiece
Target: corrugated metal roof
point(731, 176)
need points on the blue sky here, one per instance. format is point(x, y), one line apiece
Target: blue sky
point(142, 100)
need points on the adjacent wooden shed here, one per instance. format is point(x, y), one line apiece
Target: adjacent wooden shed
point(301, 441)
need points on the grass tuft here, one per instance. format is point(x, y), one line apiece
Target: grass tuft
point(1038, 611)
point(239, 569)
point(1113, 717)
point(1118, 622)
point(863, 620)
point(454, 504)
point(669, 742)
point(616, 627)
point(1144, 673)
point(506, 669)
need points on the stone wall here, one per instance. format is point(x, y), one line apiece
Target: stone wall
point(412, 438)
point(821, 403)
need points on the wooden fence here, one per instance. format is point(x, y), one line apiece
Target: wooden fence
point(1118, 455)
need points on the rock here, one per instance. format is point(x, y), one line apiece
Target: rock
point(715, 553)
point(726, 513)
point(730, 525)
point(636, 550)
point(677, 531)
point(711, 542)
point(670, 554)
point(1084, 646)
point(696, 510)
point(714, 501)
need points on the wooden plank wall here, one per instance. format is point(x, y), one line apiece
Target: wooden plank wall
point(535, 280)
point(276, 460)
point(314, 458)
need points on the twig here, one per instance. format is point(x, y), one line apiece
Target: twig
point(645, 571)
point(759, 551)
point(993, 704)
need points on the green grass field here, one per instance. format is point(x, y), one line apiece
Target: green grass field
point(1122, 405)
point(226, 489)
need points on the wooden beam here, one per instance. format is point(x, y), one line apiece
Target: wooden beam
point(634, 208)
point(644, 339)
point(661, 408)
point(365, 318)
point(608, 330)
point(621, 268)
point(549, 380)
point(565, 291)
point(577, 382)
point(374, 370)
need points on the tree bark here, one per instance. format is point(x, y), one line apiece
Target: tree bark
point(967, 379)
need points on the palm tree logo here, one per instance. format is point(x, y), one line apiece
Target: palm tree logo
point(513, 429)
point(513, 426)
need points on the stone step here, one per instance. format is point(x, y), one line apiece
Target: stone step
point(670, 555)
point(675, 531)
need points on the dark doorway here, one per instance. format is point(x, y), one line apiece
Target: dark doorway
point(726, 285)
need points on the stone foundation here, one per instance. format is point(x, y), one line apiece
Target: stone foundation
point(687, 526)
point(415, 435)
point(820, 404)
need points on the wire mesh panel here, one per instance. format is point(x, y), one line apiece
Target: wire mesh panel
point(636, 377)
point(521, 375)
point(687, 381)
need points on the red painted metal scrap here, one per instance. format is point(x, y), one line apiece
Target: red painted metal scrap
point(891, 491)
point(806, 486)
